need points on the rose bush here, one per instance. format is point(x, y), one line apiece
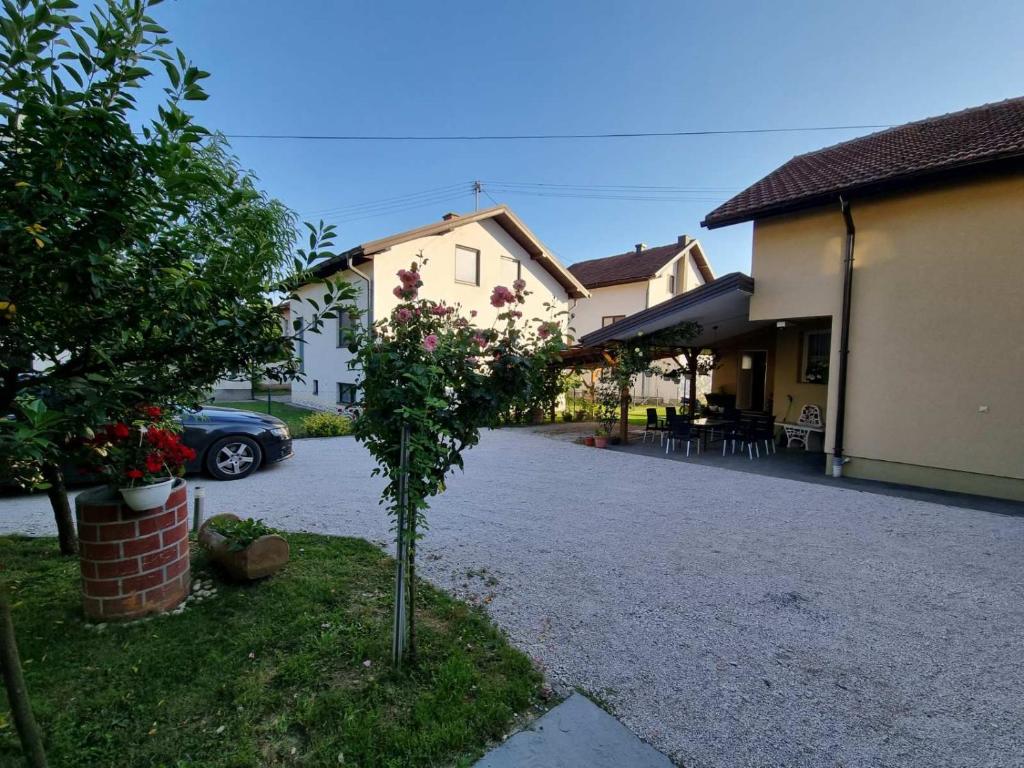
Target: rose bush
point(428, 371)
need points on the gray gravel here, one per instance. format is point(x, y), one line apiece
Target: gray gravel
point(729, 619)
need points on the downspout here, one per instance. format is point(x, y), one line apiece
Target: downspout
point(838, 458)
point(369, 292)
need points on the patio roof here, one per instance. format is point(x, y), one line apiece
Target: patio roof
point(721, 307)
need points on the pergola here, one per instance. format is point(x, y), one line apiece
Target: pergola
point(720, 309)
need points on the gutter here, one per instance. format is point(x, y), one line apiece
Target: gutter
point(369, 292)
point(838, 459)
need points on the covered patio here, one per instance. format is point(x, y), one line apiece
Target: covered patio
point(770, 371)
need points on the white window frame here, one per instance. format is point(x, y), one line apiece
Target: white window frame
point(805, 353)
point(476, 254)
point(610, 319)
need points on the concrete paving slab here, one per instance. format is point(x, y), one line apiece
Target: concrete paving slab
point(575, 734)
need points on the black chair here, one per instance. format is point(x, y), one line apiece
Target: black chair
point(742, 432)
point(681, 429)
point(764, 432)
point(653, 425)
point(670, 413)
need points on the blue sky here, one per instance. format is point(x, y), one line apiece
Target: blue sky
point(319, 67)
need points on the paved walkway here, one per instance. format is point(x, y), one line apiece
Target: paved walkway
point(728, 619)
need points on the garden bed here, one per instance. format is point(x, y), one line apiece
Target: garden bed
point(290, 671)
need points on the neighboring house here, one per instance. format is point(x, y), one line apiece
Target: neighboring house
point(921, 227)
point(461, 257)
point(630, 282)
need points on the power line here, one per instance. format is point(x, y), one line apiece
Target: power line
point(408, 207)
point(547, 136)
point(531, 184)
point(387, 201)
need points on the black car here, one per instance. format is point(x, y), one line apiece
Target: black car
point(232, 444)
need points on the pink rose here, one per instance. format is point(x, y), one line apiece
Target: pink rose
point(430, 342)
point(501, 296)
point(480, 340)
point(519, 285)
point(472, 313)
point(409, 278)
point(403, 315)
point(543, 332)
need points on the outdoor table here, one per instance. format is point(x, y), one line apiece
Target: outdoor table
point(708, 424)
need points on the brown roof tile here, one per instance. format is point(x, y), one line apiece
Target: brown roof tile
point(980, 135)
point(633, 266)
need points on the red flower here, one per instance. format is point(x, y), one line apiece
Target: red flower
point(119, 431)
point(154, 463)
point(134, 474)
point(152, 411)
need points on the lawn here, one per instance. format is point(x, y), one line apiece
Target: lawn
point(290, 414)
point(290, 672)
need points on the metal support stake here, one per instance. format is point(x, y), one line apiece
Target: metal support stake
point(198, 504)
point(402, 553)
point(268, 402)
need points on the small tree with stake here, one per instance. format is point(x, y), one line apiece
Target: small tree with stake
point(430, 380)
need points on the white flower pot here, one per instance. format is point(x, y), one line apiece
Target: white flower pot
point(143, 497)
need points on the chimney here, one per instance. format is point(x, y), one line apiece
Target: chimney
point(640, 247)
point(684, 240)
point(449, 216)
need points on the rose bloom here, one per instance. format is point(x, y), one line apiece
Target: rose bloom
point(472, 313)
point(543, 332)
point(519, 285)
point(430, 342)
point(501, 296)
point(403, 315)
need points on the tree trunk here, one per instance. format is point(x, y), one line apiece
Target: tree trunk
point(58, 493)
point(17, 696)
point(624, 415)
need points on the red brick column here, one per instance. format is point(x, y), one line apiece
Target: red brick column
point(133, 563)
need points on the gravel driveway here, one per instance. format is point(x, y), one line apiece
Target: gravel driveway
point(729, 619)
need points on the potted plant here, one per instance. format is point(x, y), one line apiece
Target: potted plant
point(589, 440)
point(601, 438)
point(140, 458)
point(247, 549)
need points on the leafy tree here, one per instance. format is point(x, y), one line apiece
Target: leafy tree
point(138, 257)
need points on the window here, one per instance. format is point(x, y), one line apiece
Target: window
point(609, 319)
point(316, 386)
point(345, 326)
point(346, 392)
point(300, 344)
point(467, 265)
point(672, 285)
point(511, 270)
point(817, 345)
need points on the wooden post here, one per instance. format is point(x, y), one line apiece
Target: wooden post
point(624, 415)
point(17, 696)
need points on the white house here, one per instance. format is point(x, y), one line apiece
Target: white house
point(462, 258)
point(631, 282)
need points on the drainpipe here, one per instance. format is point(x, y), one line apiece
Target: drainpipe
point(838, 459)
point(369, 293)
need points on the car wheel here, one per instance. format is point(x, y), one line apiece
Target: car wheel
point(232, 458)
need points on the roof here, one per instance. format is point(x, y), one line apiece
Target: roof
point(721, 307)
point(973, 139)
point(635, 266)
point(500, 214)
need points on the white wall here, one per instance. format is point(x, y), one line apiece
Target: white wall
point(324, 362)
point(624, 299)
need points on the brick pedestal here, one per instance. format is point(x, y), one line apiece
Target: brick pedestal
point(133, 563)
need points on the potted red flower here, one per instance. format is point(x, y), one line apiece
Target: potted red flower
point(141, 459)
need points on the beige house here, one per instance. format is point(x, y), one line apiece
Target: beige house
point(631, 282)
point(887, 289)
point(462, 258)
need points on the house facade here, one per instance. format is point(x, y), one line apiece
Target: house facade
point(887, 290)
point(891, 267)
point(627, 283)
point(461, 258)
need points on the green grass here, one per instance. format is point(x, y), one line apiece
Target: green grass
point(271, 674)
point(290, 414)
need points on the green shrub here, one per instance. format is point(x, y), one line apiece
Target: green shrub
point(241, 533)
point(566, 416)
point(326, 424)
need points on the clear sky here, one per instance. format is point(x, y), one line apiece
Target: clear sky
point(322, 67)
